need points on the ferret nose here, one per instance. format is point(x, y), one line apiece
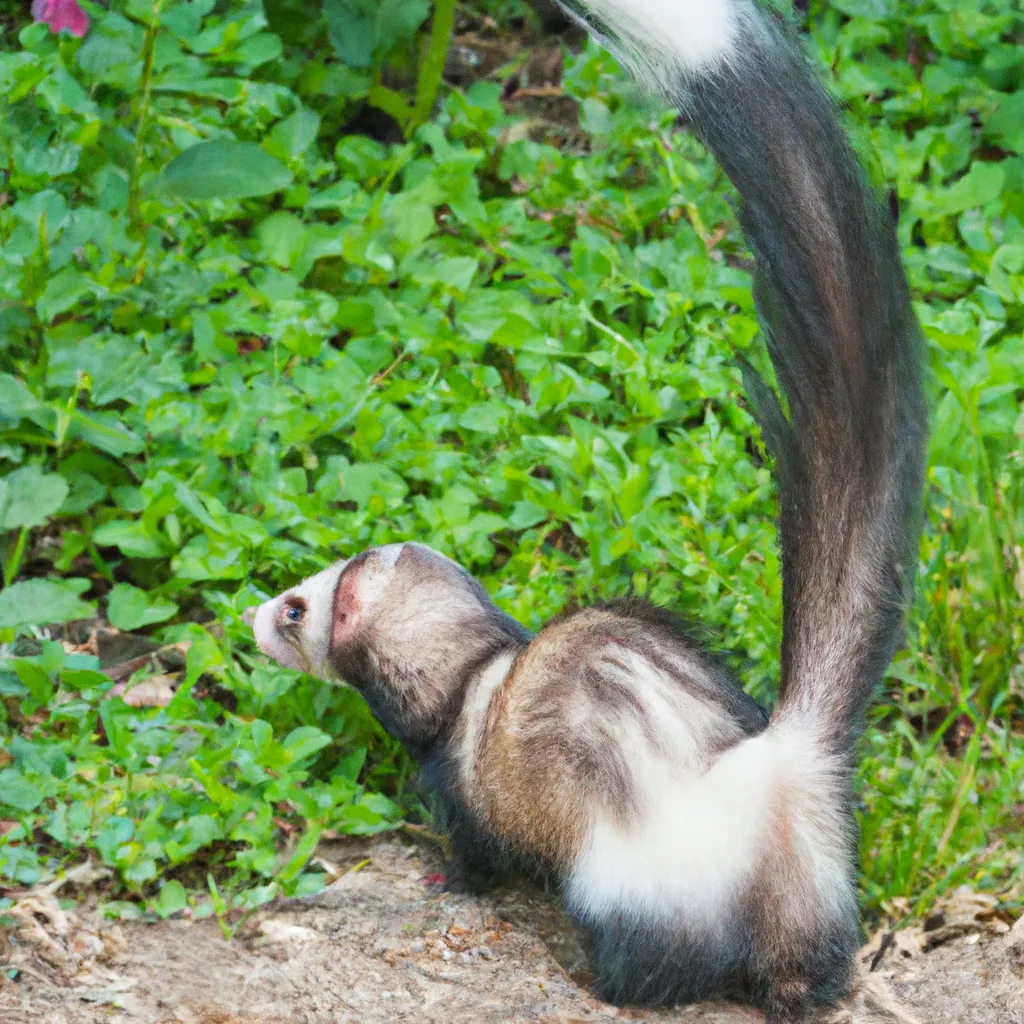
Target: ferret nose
point(249, 615)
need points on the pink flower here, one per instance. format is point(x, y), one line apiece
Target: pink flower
point(60, 14)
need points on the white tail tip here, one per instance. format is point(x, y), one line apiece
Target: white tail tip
point(662, 39)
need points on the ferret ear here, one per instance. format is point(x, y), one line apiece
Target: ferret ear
point(346, 607)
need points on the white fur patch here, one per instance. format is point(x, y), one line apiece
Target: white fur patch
point(702, 834)
point(687, 728)
point(377, 574)
point(474, 716)
point(659, 40)
point(693, 849)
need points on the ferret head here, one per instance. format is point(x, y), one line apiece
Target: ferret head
point(404, 625)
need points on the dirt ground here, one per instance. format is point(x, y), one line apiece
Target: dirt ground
point(381, 945)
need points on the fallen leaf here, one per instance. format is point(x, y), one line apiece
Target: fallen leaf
point(84, 875)
point(98, 984)
point(908, 942)
point(170, 657)
point(329, 868)
point(152, 693)
point(40, 927)
point(963, 912)
point(275, 930)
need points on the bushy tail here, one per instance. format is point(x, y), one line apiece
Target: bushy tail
point(841, 333)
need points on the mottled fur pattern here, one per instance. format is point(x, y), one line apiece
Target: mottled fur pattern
point(709, 850)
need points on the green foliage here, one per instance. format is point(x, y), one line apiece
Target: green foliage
point(374, 37)
point(224, 170)
point(238, 340)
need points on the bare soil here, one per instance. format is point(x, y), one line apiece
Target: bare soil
point(381, 945)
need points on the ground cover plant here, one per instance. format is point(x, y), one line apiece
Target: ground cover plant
point(278, 284)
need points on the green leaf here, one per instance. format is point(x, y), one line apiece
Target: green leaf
point(105, 431)
point(35, 679)
point(872, 10)
point(172, 899)
point(259, 49)
point(192, 834)
point(82, 679)
point(359, 30)
point(295, 134)
point(398, 20)
point(43, 602)
point(223, 170)
point(361, 482)
point(85, 492)
point(28, 497)
point(131, 537)
point(305, 741)
point(214, 788)
point(283, 237)
point(15, 399)
point(114, 833)
point(349, 767)
point(304, 849)
point(116, 718)
point(18, 792)
point(130, 608)
point(62, 291)
point(292, 20)
point(526, 514)
point(1006, 125)
point(980, 185)
point(206, 558)
point(105, 58)
point(10, 685)
point(352, 30)
point(360, 820)
point(226, 90)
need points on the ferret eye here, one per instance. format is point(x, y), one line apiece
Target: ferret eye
point(293, 613)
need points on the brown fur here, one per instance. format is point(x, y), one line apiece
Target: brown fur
point(778, 904)
point(528, 793)
point(528, 738)
point(540, 774)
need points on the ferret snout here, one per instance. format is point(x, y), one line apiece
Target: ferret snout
point(263, 630)
point(268, 638)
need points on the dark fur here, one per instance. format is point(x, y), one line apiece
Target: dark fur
point(479, 857)
point(846, 347)
point(716, 683)
point(644, 964)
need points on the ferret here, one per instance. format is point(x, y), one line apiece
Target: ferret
point(708, 846)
